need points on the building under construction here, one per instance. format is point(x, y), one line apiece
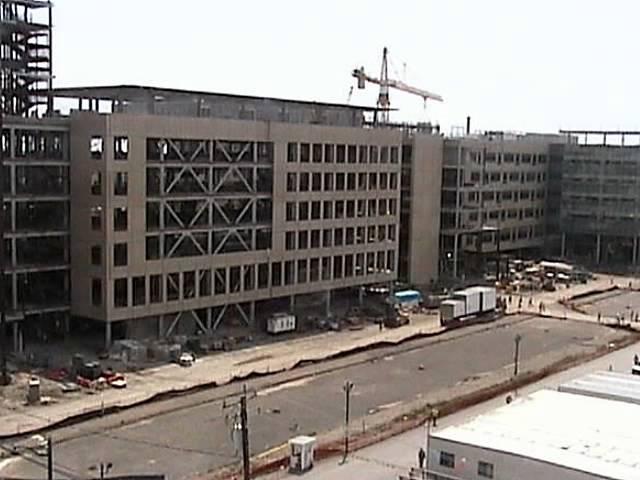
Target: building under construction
point(600, 197)
point(35, 157)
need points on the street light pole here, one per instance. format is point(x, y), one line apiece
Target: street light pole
point(517, 340)
point(348, 386)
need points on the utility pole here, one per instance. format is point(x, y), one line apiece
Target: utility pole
point(348, 386)
point(246, 464)
point(49, 459)
point(516, 359)
point(244, 430)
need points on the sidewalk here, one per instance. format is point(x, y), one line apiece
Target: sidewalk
point(218, 369)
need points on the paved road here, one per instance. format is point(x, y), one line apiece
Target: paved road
point(195, 438)
point(386, 460)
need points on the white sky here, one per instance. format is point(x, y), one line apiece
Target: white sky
point(524, 65)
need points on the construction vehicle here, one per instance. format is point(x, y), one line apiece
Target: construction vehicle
point(385, 83)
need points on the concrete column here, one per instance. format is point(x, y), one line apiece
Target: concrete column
point(455, 255)
point(107, 335)
point(360, 296)
point(160, 326)
point(252, 313)
point(634, 253)
point(210, 316)
point(292, 303)
point(16, 337)
point(563, 245)
point(598, 249)
point(327, 303)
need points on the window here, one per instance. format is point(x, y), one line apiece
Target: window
point(447, 459)
point(155, 288)
point(383, 181)
point(316, 182)
point(139, 290)
point(384, 154)
point(317, 153)
point(173, 287)
point(363, 154)
point(304, 152)
point(329, 150)
point(304, 182)
point(292, 152)
point(292, 182)
point(302, 271)
point(327, 238)
point(315, 238)
point(96, 292)
point(314, 270)
point(339, 181)
point(328, 182)
point(485, 469)
point(303, 213)
point(340, 154)
point(120, 255)
point(120, 219)
point(338, 237)
point(121, 183)
point(394, 154)
point(188, 285)
point(96, 218)
point(291, 211)
point(96, 183)
point(290, 241)
point(327, 210)
point(263, 275)
point(96, 146)
point(373, 154)
point(351, 208)
point(120, 292)
point(337, 266)
point(152, 248)
point(204, 278)
point(96, 255)
point(315, 210)
point(303, 240)
point(352, 154)
point(120, 148)
point(362, 181)
point(276, 274)
point(351, 181)
point(339, 209)
point(289, 272)
point(373, 181)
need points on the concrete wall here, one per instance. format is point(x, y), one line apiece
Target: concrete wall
point(424, 234)
point(506, 466)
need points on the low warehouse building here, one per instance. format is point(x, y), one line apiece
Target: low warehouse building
point(549, 434)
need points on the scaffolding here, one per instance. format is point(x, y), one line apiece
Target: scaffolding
point(25, 57)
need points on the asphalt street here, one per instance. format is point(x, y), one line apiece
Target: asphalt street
point(395, 456)
point(196, 439)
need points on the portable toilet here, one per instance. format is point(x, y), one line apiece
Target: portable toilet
point(301, 451)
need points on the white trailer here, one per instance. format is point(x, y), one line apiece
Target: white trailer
point(487, 298)
point(451, 310)
point(471, 299)
point(281, 323)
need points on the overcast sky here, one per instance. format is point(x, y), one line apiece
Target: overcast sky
point(523, 65)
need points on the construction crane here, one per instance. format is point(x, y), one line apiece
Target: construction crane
point(386, 83)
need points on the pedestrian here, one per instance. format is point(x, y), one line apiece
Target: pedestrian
point(509, 299)
point(380, 325)
point(599, 317)
point(636, 360)
point(421, 457)
point(519, 303)
point(530, 301)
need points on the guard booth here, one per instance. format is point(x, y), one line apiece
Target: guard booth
point(301, 452)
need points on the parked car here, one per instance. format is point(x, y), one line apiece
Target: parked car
point(186, 359)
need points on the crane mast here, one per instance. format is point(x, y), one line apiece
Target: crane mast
point(385, 83)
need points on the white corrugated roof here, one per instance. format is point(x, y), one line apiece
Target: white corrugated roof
point(610, 385)
point(579, 432)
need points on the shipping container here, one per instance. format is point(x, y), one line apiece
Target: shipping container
point(451, 310)
point(487, 298)
point(471, 299)
point(281, 322)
